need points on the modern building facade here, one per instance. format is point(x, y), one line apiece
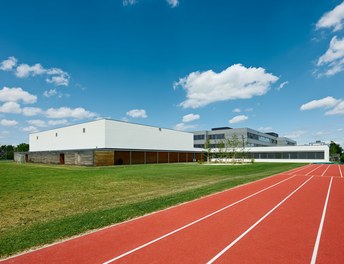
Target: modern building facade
point(110, 142)
point(248, 136)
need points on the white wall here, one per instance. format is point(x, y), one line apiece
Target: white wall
point(70, 137)
point(133, 136)
point(323, 148)
point(111, 134)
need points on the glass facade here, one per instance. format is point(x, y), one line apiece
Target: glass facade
point(261, 138)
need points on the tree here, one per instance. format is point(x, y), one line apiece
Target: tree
point(335, 151)
point(7, 152)
point(208, 147)
point(22, 147)
point(233, 144)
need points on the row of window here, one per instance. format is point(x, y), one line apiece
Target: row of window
point(261, 138)
point(288, 155)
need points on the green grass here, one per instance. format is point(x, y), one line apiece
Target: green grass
point(44, 203)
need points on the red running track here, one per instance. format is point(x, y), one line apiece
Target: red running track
point(294, 217)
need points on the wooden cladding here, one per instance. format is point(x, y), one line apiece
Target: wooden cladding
point(103, 158)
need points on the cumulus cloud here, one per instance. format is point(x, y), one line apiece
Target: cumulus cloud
point(8, 123)
point(50, 93)
point(65, 112)
point(58, 122)
point(184, 127)
point(173, 3)
point(337, 110)
point(10, 108)
point(332, 62)
point(238, 119)
point(24, 70)
point(37, 122)
point(31, 111)
point(16, 94)
point(7, 65)
point(137, 113)
point(190, 118)
point(326, 102)
point(235, 82)
point(30, 129)
point(54, 75)
point(129, 2)
point(332, 19)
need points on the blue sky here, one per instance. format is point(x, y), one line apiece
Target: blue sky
point(189, 65)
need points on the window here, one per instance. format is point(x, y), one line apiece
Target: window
point(198, 145)
point(37, 137)
point(217, 136)
point(199, 137)
point(55, 134)
point(83, 130)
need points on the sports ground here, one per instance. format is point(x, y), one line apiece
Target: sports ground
point(293, 217)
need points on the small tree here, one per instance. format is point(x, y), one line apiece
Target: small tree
point(23, 147)
point(208, 147)
point(233, 144)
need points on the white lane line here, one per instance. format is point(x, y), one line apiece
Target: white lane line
point(341, 174)
point(298, 169)
point(325, 170)
point(317, 242)
point(194, 222)
point(255, 224)
point(314, 169)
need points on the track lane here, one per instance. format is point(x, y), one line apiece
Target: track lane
point(331, 247)
point(288, 234)
point(201, 242)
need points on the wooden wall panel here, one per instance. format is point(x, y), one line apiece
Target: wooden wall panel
point(104, 158)
point(137, 157)
point(182, 156)
point(163, 157)
point(122, 157)
point(151, 157)
point(173, 157)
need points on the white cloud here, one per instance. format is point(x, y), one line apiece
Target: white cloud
point(184, 127)
point(129, 2)
point(30, 129)
point(235, 82)
point(7, 65)
point(8, 123)
point(333, 19)
point(16, 94)
point(190, 117)
point(236, 110)
point(326, 102)
point(65, 112)
point(265, 129)
point(282, 85)
point(173, 3)
point(337, 110)
point(296, 134)
point(50, 93)
point(57, 122)
point(58, 77)
point(10, 108)
point(24, 70)
point(238, 119)
point(31, 111)
point(137, 113)
point(37, 123)
point(322, 133)
point(340, 129)
point(332, 62)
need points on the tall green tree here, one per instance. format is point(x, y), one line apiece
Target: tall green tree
point(22, 147)
point(335, 151)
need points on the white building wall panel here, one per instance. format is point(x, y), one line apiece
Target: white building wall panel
point(133, 136)
point(82, 136)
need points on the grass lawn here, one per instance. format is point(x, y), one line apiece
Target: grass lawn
point(40, 204)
